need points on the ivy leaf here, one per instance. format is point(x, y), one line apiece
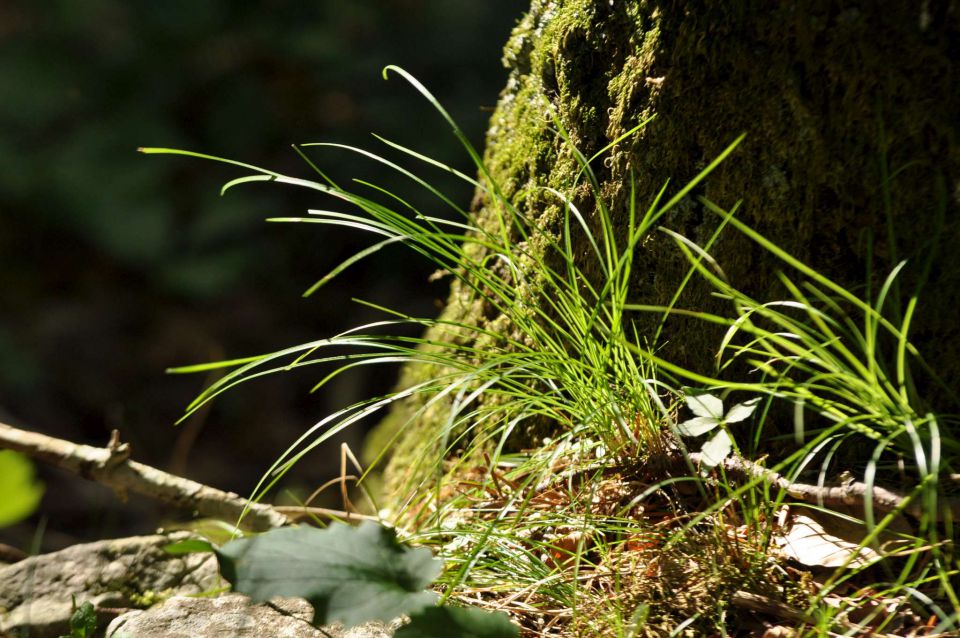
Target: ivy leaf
point(697, 425)
point(21, 492)
point(458, 622)
point(705, 405)
point(741, 411)
point(349, 574)
point(716, 449)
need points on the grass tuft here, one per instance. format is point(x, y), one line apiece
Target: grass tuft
point(610, 525)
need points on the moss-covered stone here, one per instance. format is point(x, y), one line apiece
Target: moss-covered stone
point(851, 116)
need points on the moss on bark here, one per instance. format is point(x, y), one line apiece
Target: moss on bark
point(850, 113)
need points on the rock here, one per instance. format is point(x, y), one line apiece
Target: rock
point(235, 616)
point(37, 594)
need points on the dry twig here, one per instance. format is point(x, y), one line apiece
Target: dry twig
point(848, 493)
point(112, 467)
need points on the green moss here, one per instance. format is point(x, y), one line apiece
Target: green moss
point(149, 598)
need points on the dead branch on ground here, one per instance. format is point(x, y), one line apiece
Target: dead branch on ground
point(111, 466)
point(847, 493)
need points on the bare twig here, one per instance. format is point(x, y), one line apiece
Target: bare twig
point(112, 467)
point(769, 606)
point(775, 608)
point(296, 512)
point(848, 493)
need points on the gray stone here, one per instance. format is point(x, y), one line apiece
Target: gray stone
point(233, 616)
point(37, 593)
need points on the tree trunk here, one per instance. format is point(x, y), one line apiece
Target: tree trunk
point(851, 114)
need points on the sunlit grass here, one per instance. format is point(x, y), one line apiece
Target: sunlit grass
point(595, 529)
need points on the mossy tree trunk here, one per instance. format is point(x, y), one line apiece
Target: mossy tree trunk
point(851, 114)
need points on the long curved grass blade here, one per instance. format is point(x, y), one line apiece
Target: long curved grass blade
point(215, 365)
point(346, 263)
point(393, 166)
point(429, 160)
point(245, 180)
point(150, 150)
point(500, 200)
point(702, 175)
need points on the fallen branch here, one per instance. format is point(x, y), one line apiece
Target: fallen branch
point(765, 605)
point(848, 493)
point(770, 607)
point(296, 512)
point(111, 466)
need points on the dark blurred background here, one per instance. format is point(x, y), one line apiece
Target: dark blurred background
point(115, 266)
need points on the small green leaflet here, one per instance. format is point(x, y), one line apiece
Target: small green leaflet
point(457, 622)
point(19, 492)
point(708, 415)
point(716, 449)
point(349, 575)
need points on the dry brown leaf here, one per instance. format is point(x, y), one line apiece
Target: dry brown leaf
point(826, 541)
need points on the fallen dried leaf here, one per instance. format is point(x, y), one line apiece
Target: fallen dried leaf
point(824, 543)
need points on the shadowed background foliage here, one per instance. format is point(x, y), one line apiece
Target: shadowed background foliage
point(115, 266)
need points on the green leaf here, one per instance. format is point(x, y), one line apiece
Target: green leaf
point(705, 405)
point(741, 411)
point(83, 622)
point(349, 574)
point(716, 449)
point(21, 492)
point(458, 622)
point(697, 425)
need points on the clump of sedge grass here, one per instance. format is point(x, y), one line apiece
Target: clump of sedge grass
point(606, 528)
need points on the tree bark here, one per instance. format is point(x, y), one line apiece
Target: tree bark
point(851, 114)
